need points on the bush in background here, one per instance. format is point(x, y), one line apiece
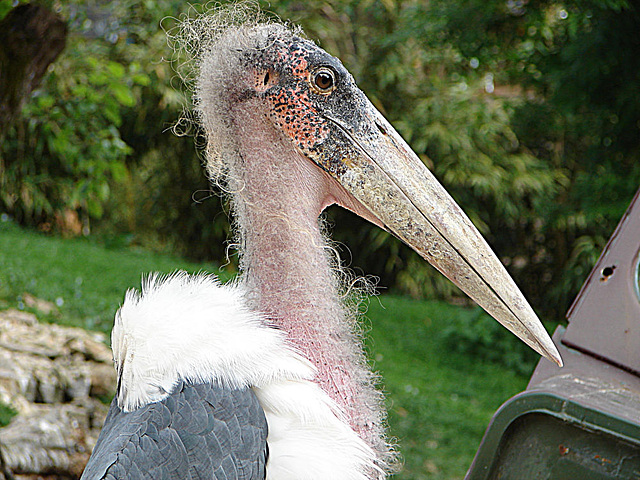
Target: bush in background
point(520, 109)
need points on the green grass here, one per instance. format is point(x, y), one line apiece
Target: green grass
point(86, 280)
point(439, 403)
point(440, 399)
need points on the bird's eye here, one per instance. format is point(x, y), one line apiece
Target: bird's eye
point(323, 80)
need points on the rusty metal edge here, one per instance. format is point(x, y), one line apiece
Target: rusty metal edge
point(595, 271)
point(529, 402)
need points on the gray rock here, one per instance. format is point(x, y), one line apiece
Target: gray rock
point(51, 375)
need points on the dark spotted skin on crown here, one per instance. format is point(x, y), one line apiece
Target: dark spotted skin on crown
point(284, 75)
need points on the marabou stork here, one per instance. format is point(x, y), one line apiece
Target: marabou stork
point(266, 377)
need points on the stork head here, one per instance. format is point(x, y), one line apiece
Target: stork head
point(309, 98)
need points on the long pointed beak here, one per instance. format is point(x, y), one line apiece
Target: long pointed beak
point(391, 182)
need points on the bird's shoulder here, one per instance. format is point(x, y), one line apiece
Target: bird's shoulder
point(193, 328)
point(197, 431)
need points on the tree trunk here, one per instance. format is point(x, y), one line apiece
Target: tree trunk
point(31, 37)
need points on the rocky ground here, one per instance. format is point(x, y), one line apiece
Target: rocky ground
point(58, 380)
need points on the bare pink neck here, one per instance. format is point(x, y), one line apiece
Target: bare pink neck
point(285, 262)
point(278, 197)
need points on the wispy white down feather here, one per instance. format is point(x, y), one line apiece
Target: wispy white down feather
point(193, 328)
point(309, 438)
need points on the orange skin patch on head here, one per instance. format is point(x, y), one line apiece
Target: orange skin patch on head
point(294, 113)
point(300, 70)
point(293, 110)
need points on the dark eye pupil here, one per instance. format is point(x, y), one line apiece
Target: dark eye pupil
point(324, 80)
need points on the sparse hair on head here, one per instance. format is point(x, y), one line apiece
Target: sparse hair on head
point(201, 41)
point(201, 26)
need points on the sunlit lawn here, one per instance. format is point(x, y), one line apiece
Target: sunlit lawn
point(86, 280)
point(439, 403)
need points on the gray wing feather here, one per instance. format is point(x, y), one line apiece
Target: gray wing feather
point(199, 432)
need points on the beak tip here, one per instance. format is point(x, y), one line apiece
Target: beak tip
point(551, 353)
point(559, 361)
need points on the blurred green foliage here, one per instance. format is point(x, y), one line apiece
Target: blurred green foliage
point(7, 412)
point(471, 333)
point(526, 111)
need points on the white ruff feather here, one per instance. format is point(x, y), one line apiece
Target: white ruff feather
point(193, 328)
